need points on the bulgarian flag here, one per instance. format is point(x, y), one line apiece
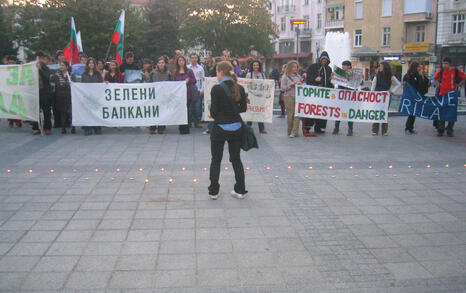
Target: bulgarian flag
point(71, 51)
point(118, 37)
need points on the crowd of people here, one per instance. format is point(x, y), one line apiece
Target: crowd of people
point(55, 93)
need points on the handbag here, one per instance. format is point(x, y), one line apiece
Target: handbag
point(248, 138)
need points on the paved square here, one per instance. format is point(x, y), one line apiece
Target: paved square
point(129, 212)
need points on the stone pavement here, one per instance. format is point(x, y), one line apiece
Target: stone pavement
point(95, 225)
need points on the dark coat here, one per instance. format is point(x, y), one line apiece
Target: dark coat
point(62, 91)
point(222, 109)
point(325, 72)
point(420, 83)
point(95, 78)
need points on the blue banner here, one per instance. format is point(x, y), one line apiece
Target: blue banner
point(443, 108)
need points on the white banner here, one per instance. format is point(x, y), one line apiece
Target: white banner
point(136, 104)
point(260, 98)
point(340, 104)
point(19, 92)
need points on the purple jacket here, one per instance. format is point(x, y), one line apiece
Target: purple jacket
point(182, 77)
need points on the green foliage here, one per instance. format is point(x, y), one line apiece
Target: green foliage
point(162, 28)
point(239, 25)
point(47, 27)
point(151, 31)
point(6, 35)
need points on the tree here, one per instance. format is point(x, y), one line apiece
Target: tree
point(6, 35)
point(162, 28)
point(46, 26)
point(239, 25)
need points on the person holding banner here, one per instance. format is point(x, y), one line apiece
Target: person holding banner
point(346, 65)
point(61, 80)
point(290, 79)
point(415, 77)
point(447, 79)
point(147, 67)
point(318, 74)
point(384, 80)
point(183, 73)
point(255, 72)
point(225, 110)
point(91, 75)
point(113, 75)
point(196, 104)
point(160, 73)
point(45, 94)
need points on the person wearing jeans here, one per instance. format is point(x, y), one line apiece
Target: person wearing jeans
point(255, 72)
point(195, 108)
point(227, 104)
point(346, 65)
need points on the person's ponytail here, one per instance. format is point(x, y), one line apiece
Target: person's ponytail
point(227, 68)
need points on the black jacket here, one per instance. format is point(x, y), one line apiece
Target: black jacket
point(420, 83)
point(315, 70)
point(44, 80)
point(221, 107)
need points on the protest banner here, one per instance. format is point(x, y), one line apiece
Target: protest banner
point(351, 78)
point(118, 104)
point(133, 76)
point(443, 108)
point(260, 98)
point(341, 104)
point(19, 92)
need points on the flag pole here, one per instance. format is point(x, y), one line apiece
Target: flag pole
point(108, 51)
point(71, 47)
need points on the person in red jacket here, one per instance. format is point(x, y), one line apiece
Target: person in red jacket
point(447, 79)
point(113, 75)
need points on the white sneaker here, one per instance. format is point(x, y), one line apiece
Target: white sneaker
point(205, 132)
point(374, 134)
point(238, 195)
point(385, 134)
point(292, 136)
point(213, 196)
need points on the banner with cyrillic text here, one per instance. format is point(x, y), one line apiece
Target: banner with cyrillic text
point(260, 98)
point(341, 104)
point(443, 108)
point(137, 104)
point(19, 91)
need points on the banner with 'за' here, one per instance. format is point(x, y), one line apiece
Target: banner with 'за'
point(341, 104)
point(19, 92)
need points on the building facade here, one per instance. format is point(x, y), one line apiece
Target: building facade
point(451, 36)
point(311, 34)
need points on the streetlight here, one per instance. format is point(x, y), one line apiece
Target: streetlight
point(298, 22)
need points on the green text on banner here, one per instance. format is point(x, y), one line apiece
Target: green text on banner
point(19, 92)
point(260, 98)
point(129, 104)
point(341, 104)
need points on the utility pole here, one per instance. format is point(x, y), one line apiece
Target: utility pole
point(298, 22)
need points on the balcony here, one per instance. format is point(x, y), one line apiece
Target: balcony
point(335, 24)
point(305, 33)
point(455, 39)
point(286, 9)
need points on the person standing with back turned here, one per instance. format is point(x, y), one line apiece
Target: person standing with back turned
point(228, 101)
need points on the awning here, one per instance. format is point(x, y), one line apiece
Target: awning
point(291, 56)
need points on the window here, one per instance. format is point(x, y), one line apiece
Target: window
point(357, 38)
point(306, 2)
point(306, 27)
point(286, 47)
point(305, 46)
point(386, 36)
point(358, 9)
point(387, 8)
point(319, 20)
point(420, 33)
point(283, 24)
point(336, 13)
point(458, 23)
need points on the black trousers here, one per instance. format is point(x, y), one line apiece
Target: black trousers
point(441, 126)
point(318, 124)
point(45, 103)
point(410, 122)
point(218, 137)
